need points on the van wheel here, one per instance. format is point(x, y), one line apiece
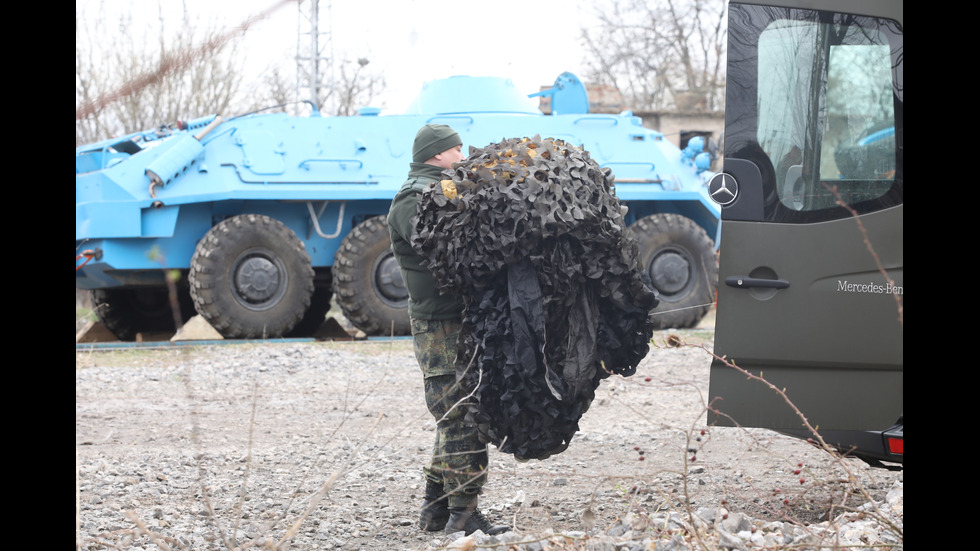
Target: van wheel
point(251, 278)
point(367, 283)
point(678, 259)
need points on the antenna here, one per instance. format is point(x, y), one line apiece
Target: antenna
point(313, 39)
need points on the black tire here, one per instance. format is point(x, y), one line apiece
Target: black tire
point(126, 312)
point(367, 283)
point(678, 259)
point(251, 278)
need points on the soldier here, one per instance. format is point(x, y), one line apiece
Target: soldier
point(455, 476)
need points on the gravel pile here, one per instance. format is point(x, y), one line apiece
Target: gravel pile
point(874, 525)
point(319, 446)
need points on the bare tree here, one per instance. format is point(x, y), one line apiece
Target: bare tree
point(660, 52)
point(352, 87)
point(278, 91)
point(131, 79)
point(128, 78)
point(355, 87)
point(88, 84)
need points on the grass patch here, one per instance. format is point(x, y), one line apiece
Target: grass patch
point(134, 357)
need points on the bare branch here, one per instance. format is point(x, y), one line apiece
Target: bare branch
point(654, 51)
point(172, 61)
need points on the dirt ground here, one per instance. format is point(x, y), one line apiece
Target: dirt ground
point(319, 445)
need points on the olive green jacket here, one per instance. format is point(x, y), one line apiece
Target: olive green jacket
point(424, 299)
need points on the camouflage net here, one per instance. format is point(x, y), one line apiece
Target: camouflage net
point(529, 233)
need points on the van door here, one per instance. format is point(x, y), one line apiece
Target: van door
point(811, 266)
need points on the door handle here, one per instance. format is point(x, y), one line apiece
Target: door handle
point(745, 281)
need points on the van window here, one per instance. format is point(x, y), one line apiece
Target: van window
point(828, 99)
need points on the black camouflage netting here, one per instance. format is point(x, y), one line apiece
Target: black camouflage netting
point(529, 233)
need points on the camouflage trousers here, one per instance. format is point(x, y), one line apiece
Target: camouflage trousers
point(459, 458)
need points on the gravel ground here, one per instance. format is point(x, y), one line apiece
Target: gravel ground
point(319, 446)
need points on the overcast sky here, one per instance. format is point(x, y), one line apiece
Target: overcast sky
point(408, 41)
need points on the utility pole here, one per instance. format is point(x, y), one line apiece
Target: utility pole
point(314, 53)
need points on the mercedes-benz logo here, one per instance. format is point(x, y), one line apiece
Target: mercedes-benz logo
point(722, 188)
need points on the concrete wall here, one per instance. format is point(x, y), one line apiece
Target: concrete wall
point(674, 124)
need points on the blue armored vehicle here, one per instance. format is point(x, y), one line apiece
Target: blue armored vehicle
point(258, 221)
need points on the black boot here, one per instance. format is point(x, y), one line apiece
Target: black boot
point(435, 508)
point(469, 520)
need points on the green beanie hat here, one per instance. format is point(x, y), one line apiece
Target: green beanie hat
point(432, 140)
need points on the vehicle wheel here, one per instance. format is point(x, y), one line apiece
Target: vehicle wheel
point(127, 312)
point(316, 314)
point(251, 278)
point(678, 258)
point(367, 282)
